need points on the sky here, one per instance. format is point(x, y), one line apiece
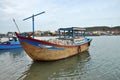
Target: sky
point(58, 13)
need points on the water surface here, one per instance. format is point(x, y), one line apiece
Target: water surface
point(101, 62)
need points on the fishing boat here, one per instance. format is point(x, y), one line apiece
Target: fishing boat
point(11, 43)
point(71, 41)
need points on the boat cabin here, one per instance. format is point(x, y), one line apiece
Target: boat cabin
point(75, 34)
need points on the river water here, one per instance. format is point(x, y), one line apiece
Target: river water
point(101, 62)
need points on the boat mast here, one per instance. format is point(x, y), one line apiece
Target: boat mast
point(33, 20)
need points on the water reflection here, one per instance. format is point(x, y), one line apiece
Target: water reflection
point(11, 63)
point(50, 70)
point(11, 51)
point(11, 54)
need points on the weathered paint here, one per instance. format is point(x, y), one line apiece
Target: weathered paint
point(37, 53)
point(31, 47)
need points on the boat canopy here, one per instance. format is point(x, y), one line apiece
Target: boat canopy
point(72, 28)
point(71, 33)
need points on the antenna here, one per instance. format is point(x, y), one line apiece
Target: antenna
point(16, 25)
point(33, 19)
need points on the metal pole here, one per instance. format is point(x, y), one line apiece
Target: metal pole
point(73, 36)
point(16, 25)
point(59, 34)
point(33, 20)
point(33, 24)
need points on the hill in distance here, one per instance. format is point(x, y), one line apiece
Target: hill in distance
point(102, 28)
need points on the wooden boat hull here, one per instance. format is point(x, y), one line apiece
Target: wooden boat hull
point(47, 51)
point(37, 53)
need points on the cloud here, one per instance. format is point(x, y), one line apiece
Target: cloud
point(59, 13)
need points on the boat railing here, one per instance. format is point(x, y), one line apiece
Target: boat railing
point(62, 41)
point(78, 40)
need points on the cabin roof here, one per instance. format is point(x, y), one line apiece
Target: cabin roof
point(73, 28)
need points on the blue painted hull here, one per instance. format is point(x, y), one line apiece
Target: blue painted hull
point(10, 45)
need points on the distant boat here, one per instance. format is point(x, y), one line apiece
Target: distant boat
point(71, 41)
point(12, 43)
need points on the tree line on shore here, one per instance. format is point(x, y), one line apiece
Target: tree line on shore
point(88, 29)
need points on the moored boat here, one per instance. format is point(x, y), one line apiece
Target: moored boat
point(71, 41)
point(11, 43)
